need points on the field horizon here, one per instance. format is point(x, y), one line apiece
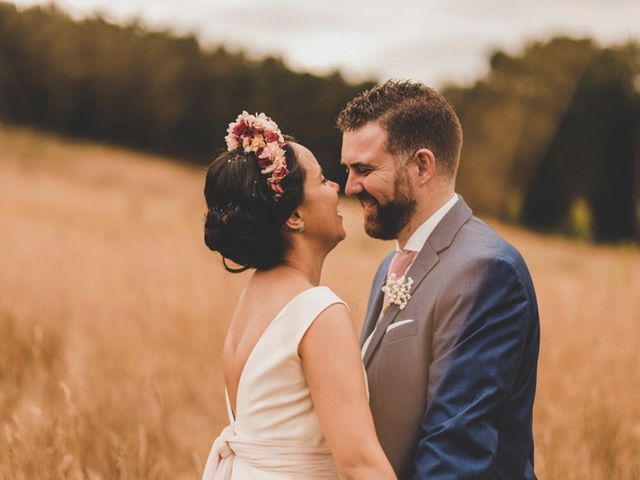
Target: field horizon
point(113, 312)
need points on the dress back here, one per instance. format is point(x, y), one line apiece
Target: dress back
point(276, 433)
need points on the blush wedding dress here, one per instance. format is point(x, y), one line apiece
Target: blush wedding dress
point(275, 433)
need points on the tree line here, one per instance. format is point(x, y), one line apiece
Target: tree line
point(154, 90)
point(552, 133)
point(552, 138)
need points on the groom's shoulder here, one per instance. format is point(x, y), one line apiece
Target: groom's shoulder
point(477, 240)
point(483, 258)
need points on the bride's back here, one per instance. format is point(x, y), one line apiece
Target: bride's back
point(266, 294)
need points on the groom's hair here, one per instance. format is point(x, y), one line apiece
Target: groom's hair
point(414, 116)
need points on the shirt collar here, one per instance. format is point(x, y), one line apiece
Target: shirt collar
point(420, 236)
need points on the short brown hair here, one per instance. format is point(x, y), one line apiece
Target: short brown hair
point(414, 116)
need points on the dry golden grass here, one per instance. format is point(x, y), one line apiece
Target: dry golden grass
point(112, 314)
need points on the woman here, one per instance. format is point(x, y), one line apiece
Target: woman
point(295, 386)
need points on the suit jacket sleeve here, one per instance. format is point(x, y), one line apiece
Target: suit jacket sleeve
point(479, 334)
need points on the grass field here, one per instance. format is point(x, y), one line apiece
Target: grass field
point(112, 314)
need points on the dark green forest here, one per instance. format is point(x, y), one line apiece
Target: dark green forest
point(552, 133)
point(153, 90)
point(552, 138)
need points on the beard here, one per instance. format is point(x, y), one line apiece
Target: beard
point(386, 221)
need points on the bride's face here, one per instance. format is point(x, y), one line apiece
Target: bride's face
point(319, 210)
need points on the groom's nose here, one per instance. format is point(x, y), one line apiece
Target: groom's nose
point(353, 185)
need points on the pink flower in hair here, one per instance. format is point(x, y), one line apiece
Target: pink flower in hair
point(260, 135)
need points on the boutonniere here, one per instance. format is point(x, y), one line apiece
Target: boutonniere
point(398, 290)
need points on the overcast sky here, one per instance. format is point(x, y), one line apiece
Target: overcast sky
point(429, 40)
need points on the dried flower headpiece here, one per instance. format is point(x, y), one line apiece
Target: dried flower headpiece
point(260, 135)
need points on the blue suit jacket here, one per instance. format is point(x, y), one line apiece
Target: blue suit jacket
point(452, 387)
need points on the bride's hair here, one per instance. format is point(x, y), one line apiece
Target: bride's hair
point(244, 221)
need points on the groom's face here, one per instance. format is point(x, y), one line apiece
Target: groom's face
point(375, 178)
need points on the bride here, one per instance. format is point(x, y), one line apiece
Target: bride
point(295, 386)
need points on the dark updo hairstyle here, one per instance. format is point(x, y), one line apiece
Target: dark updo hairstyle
point(244, 220)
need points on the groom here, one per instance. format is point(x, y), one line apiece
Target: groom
point(451, 348)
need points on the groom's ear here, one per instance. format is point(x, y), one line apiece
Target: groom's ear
point(426, 162)
point(294, 222)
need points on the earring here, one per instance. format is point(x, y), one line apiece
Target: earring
point(301, 229)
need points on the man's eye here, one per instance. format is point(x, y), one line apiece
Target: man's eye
point(359, 170)
point(324, 180)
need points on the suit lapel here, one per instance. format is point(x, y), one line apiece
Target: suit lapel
point(375, 302)
point(444, 233)
point(440, 239)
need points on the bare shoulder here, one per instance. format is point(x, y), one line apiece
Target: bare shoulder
point(335, 312)
point(336, 315)
point(332, 328)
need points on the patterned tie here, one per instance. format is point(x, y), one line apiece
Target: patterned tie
point(399, 265)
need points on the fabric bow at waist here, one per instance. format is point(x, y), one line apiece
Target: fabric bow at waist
point(285, 457)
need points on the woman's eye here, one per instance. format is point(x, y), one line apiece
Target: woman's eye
point(324, 180)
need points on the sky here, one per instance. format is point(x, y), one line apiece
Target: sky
point(433, 41)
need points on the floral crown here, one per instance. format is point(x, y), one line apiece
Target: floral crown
point(260, 135)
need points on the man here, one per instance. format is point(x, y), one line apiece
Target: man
point(451, 348)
